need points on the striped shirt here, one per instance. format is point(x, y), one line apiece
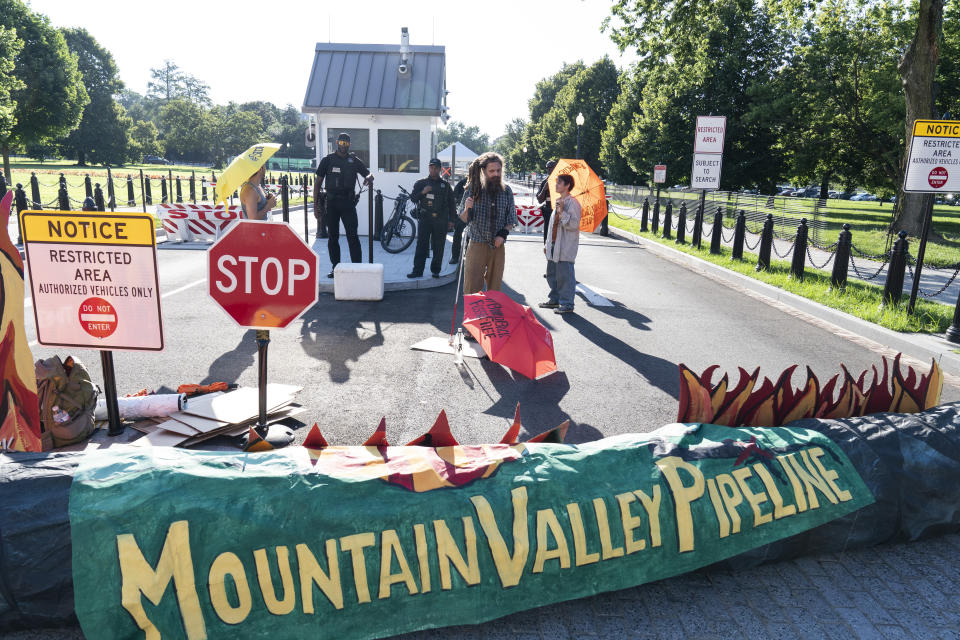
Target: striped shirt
point(484, 225)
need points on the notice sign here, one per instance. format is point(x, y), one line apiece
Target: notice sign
point(660, 173)
point(710, 134)
point(934, 163)
point(93, 278)
point(706, 171)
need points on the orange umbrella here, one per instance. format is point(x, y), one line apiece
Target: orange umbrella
point(587, 190)
point(509, 333)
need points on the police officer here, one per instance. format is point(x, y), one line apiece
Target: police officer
point(458, 224)
point(338, 171)
point(434, 197)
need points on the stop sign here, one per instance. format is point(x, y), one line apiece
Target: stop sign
point(262, 274)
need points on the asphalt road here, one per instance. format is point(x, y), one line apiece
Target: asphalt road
point(617, 365)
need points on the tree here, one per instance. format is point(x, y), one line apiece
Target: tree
point(104, 131)
point(618, 125)
point(166, 81)
point(145, 140)
point(195, 90)
point(231, 133)
point(700, 59)
point(544, 97)
point(511, 146)
point(591, 91)
point(917, 68)
point(10, 46)
point(470, 137)
point(184, 134)
point(50, 101)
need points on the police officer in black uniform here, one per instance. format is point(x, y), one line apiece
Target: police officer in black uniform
point(434, 198)
point(338, 171)
point(458, 224)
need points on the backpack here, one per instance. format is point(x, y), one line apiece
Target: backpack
point(67, 400)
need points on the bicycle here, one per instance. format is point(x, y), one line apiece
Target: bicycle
point(400, 230)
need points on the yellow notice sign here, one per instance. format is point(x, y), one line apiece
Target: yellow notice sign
point(129, 229)
point(937, 128)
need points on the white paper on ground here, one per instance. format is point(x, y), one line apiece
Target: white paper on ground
point(441, 345)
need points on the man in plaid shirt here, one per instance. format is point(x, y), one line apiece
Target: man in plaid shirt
point(489, 210)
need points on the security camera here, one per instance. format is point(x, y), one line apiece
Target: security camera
point(402, 69)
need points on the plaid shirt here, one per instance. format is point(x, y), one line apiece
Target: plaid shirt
point(484, 226)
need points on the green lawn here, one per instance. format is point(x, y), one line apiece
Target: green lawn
point(858, 299)
point(868, 223)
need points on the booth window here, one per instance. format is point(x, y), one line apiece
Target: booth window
point(399, 150)
point(359, 142)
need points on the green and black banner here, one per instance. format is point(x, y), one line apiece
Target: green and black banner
point(363, 542)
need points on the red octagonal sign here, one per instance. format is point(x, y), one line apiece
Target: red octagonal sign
point(262, 274)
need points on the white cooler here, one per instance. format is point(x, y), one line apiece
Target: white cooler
point(358, 281)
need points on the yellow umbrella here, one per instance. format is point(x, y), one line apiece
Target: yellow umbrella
point(243, 166)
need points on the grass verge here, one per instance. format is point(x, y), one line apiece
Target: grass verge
point(859, 299)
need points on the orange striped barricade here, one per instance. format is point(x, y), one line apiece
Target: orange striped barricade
point(196, 222)
point(530, 218)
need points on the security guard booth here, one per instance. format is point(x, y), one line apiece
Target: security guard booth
point(389, 98)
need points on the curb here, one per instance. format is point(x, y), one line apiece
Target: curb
point(923, 347)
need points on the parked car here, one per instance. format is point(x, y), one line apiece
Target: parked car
point(155, 160)
point(863, 197)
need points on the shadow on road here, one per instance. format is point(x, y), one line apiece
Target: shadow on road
point(658, 372)
point(229, 366)
point(337, 345)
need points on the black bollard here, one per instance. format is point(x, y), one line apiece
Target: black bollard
point(682, 224)
point(716, 237)
point(953, 333)
point(98, 197)
point(655, 220)
point(63, 181)
point(63, 198)
point(163, 189)
point(646, 214)
point(799, 251)
point(3, 184)
point(739, 235)
point(87, 186)
point(698, 221)
point(378, 216)
point(766, 244)
point(148, 190)
point(35, 192)
point(179, 191)
point(285, 198)
point(20, 200)
point(111, 195)
point(203, 188)
point(896, 271)
point(131, 199)
point(668, 220)
point(841, 260)
point(605, 223)
point(193, 187)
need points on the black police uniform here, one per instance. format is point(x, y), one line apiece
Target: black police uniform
point(437, 211)
point(458, 224)
point(339, 174)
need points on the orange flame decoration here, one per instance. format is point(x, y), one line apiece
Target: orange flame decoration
point(431, 461)
point(772, 405)
point(19, 407)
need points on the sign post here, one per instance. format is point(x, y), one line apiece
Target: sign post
point(707, 162)
point(659, 177)
point(933, 166)
point(265, 277)
point(93, 278)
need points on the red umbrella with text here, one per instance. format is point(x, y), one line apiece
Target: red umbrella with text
point(509, 333)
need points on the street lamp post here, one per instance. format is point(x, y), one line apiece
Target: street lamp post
point(579, 124)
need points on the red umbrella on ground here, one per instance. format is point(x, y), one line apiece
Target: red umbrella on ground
point(509, 333)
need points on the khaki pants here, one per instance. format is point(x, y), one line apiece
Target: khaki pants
point(483, 265)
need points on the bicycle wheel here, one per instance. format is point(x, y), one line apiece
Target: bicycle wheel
point(398, 234)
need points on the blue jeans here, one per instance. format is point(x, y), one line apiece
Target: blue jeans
point(562, 281)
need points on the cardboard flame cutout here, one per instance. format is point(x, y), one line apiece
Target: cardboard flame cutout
point(431, 461)
point(772, 405)
point(19, 407)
